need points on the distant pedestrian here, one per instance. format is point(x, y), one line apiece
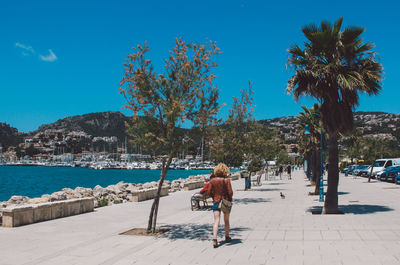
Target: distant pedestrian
point(280, 172)
point(289, 171)
point(220, 189)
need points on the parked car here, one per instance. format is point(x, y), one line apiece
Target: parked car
point(364, 172)
point(389, 173)
point(381, 164)
point(350, 169)
point(356, 171)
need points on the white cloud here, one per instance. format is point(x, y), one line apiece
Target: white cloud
point(26, 49)
point(51, 57)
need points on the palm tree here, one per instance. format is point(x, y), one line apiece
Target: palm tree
point(334, 67)
point(310, 143)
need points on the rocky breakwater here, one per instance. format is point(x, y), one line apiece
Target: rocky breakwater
point(112, 194)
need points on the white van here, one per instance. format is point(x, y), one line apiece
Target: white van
point(381, 164)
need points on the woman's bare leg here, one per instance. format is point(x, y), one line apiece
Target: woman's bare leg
point(217, 215)
point(226, 221)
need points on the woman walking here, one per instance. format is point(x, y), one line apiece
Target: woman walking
point(220, 189)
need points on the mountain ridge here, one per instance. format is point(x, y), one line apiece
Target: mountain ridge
point(112, 123)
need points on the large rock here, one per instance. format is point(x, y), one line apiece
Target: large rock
point(122, 186)
point(38, 200)
point(18, 200)
point(150, 185)
point(112, 189)
point(131, 188)
point(58, 196)
point(84, 192)
point(98, 191)
point(175, 184)
point(71, 194)
point(114, 199)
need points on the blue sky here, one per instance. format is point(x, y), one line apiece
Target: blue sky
point(64, 58)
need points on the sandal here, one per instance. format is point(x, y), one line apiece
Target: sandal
point(228, 239)
point(215, 243)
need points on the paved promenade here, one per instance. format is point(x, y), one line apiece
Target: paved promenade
point(266, 230)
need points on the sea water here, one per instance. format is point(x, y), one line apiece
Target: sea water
point(34, 181)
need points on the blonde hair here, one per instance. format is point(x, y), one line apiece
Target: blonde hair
point(221, 170)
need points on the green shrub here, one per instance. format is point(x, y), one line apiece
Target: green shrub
point(103, 202)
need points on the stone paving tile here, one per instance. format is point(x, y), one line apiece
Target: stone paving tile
point(349, 235)
point(312, 260)
point(368, 235)
point(276, 235)
point(312, 235)
point(386, 235)
point(331, 235)
point(350, 260)
point(258, 235)
point(294, 235)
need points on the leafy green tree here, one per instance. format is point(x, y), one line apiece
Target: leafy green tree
point(255, 165)
point(334, 67)
point(283, 158)
point(167, 100)
point(205, 115)
point(230, 139)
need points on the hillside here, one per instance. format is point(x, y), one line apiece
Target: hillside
point(9, 136)
point(99, 131)
point(110, 123)
point(374, 124)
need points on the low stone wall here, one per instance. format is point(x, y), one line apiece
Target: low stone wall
point(235, 176)
point(193, 185)
point(148, 194)
point(34, 213)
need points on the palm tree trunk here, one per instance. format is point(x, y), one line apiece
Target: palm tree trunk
point(308, 166)
point(314, 165)
point(331, 199)
point(317, 175)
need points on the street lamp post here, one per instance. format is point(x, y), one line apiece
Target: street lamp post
point(321, 180)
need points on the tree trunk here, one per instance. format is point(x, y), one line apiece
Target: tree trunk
point(151, 226)
point(308, 166)
point(331, 199)
point(314, 165)
point(317, 175)
point(370, 173)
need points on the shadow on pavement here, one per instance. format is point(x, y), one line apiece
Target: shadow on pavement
point(278, 183)
point(355, 209)
point(199, 232)
point(234, 241)
point(249, 200)
point(343, 193)
point(263, 189)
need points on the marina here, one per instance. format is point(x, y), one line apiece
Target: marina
point(177, 164)
point(35, 180)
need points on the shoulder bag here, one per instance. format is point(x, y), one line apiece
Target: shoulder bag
point(224, 204)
